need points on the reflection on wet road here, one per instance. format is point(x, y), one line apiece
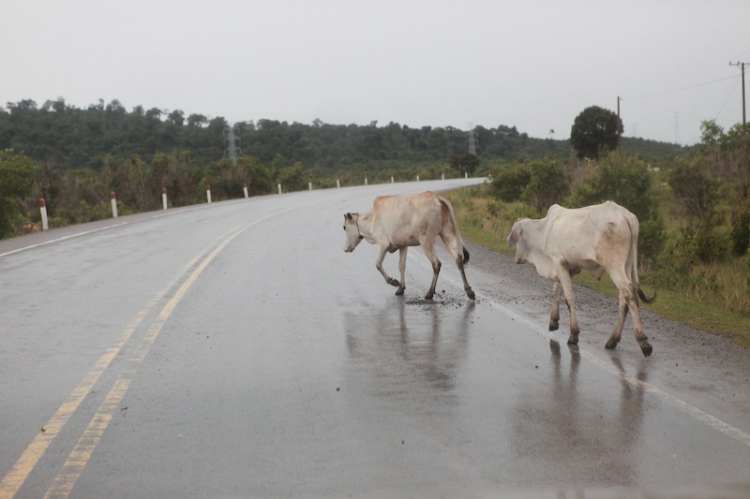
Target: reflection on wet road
point(402, 353)
point(593, 436)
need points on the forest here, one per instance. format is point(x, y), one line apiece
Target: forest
point(74, 158)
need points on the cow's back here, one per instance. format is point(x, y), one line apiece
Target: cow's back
point(590, 236)
point(589, 221)
point(402, 219)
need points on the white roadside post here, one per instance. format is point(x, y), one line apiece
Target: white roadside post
point(164, 197)
point(391, 178)
point(443, 176)
point(208, 193)
point(113, 200)
point(417, 178)
point(244, 189)
point(43, 209)
point(365, 180)
point(309, 186)
point(279, 188)
point(338, 184)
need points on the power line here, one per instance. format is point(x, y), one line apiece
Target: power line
point(686, 88)
point(660, 108)
point(727, 99)
point(666, 110)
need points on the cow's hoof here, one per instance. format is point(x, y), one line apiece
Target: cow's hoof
point(554, 325)
point(611, 345)
point(394, 282)
point(647, 349)
point(573, 340)
point(400, 291)
point(471, 294)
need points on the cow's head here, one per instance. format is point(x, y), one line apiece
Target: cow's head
point(516, 236)
point(353, 235)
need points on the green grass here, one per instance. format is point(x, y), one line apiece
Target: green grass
point(490, 230)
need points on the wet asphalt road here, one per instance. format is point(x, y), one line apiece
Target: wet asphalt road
point(235, 350)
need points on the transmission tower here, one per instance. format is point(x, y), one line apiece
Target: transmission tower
point(232, 141)
point(472, 143)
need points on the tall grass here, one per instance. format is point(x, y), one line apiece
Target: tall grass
point(724, 285)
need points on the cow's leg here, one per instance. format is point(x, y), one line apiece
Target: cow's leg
point(567, 286)
point(402, 269)
point(628, 301)
point(467, 288)
point(554, 315)
point(452, 245)
point(429, 251)
point(379, 265)
point(640, 334)
point(622, 304)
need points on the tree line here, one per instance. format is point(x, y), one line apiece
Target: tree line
point(63, 137)
point(77, 156)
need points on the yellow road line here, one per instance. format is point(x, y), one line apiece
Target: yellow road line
point(66, 479)
point(34, 452)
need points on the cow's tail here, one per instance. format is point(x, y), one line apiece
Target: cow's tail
point(634, 252)
point(459, 240)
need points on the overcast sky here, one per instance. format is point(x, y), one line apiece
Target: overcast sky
point(530, 64)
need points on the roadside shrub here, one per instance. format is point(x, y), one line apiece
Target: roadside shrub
point(740, 231)
point(695, 190)
point(711, 243)
point(621, 178)
point(703, 243)
point(540, 184)
point(16, 180)
point(549, 184)
point(653, 235)
point(510, 183)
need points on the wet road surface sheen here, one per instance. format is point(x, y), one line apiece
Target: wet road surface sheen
point(263, 361)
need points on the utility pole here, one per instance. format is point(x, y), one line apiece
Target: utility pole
point(619, 120)
point(742, 65)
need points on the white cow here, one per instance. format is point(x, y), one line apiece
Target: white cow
point(600, 238)
point(397, 222)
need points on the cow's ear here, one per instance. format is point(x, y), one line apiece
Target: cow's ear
point(348, 216)
point(514, 237)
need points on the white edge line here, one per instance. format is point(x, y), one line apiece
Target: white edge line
point(57, 240)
